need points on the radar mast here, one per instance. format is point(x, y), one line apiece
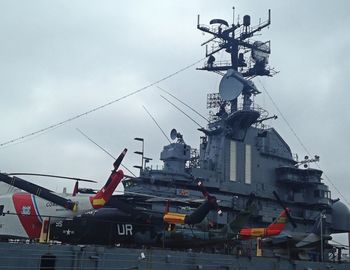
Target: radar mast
point(248, 59)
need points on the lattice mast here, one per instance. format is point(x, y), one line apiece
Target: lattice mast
point(248, 57)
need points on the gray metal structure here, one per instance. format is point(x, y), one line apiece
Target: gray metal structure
point(29, 256)
point(239, 155)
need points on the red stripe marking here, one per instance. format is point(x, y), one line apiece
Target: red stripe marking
point(27, 215)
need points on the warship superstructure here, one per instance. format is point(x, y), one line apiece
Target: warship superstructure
point(238, 154)
point(239, 158)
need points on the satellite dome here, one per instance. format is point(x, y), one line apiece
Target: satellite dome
point(340, 217)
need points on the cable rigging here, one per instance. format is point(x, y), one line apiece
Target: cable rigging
point(179, 100)
point(61, 123)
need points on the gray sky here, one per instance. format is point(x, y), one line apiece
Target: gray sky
point(61, 58)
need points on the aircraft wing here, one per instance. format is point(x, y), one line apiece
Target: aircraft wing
point(279, 239)
point(308, 240)
point(312, 239)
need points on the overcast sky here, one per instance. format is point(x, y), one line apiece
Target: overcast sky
point(62, 58)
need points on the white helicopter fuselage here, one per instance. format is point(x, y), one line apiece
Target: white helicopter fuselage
point(23, 213)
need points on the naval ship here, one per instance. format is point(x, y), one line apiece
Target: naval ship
point(241, 161)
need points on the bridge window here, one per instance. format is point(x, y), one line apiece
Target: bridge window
point(322, 194)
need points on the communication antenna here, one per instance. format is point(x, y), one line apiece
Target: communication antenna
point(306, 162)
point(104, 150)
point(182, 102)
point(154, 120)
point(189, 117)
point(233, 14)
point(235, 39)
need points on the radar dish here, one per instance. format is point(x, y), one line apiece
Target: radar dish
point(173, 134)
point(230, 88)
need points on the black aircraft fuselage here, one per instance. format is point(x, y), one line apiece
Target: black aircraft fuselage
point(124, 223)
point(106, 226)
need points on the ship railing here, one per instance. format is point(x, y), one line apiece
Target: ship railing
point(253, 107)
point(153, 168)
point(211, 28)
point(217, 64)
point(262, 126)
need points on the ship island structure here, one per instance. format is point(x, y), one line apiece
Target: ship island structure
point(239, 159)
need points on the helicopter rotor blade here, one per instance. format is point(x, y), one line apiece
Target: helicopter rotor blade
point(119, 159)
point(286, 209)
point(155, 198)
point(210, 198)
point(251, 200)
point(39, 191)
point(54, 176)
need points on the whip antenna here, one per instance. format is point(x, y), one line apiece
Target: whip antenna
point(104, 150)
point(189, 117)
point(154, 120)
point(182, 102)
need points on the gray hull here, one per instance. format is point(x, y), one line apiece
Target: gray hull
point(36, 256)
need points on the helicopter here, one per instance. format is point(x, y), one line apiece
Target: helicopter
point(231, 234)
point(290, 243)
point(23, 214)
point(299, 244)
point(127, 225)
point(234, 232)
point(123, 223)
